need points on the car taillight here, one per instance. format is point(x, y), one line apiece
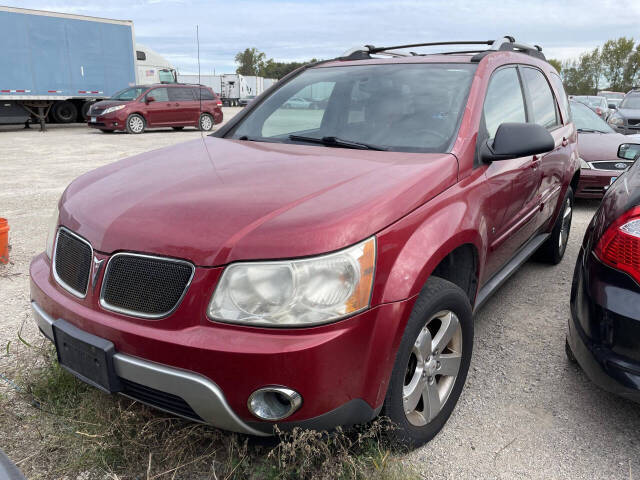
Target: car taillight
point(619, 246)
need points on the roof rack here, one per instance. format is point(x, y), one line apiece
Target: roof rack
point(506, 43)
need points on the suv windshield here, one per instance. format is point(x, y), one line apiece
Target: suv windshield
point(586, 120)
point(401, 107)
point(593, 101)
point(630, 101)
point(129, 93)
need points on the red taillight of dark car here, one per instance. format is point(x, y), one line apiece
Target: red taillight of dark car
point(619, 247)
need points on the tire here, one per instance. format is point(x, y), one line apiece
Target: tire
point(552, 250)
point(135, 124)
point(438, 306)
point(567, 350)
point(65, 112)
point(205, 122)
point(84, 111)
point(177, 128)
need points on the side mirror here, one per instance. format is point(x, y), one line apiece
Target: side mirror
point(612, 106)
point(149, 99)
point(629, 151)
point(514, 140)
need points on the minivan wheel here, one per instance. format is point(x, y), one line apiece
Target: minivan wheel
point(431, 364)
point(552, 250)
point(206, 122)
point(135, 123)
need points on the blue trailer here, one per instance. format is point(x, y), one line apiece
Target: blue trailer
point(55, 65)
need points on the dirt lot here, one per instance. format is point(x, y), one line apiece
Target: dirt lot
point(525, 411)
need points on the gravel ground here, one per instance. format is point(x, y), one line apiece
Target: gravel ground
point(525, 411)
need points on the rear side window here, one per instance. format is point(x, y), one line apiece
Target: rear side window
point(206, 94)
point(562, 97)
point(543, 105)
point(159, 94)
point(180, 94)
point(504, 101)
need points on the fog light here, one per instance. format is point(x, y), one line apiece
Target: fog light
point(274, 403)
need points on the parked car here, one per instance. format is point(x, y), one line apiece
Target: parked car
point(316, 270)
point(597, 104)
point(243, 102)
point(598, 145)
point(626, 119)
point(297, 102)
point(135, 109)
point(604, 329)
point(613, 98)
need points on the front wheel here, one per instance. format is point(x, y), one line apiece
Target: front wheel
point(135, 123)
point(552, 250)
point(431, 364)
point(206, 122)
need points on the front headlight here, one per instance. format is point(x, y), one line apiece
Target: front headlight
point(113, 109)
point(616, 120)
point(296, 293)
point(51, 232)
point(584, 164)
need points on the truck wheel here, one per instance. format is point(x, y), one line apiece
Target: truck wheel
point(135, 123)
point(431, 364)
point(553, 249)
point(206, 122)
point(84, 111)
point(65, 112)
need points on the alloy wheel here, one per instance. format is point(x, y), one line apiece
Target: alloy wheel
point(206, 123)
point(433, 367)
point(136, 124)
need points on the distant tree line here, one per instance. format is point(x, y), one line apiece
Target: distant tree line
point(254, 62)
point(614, 66)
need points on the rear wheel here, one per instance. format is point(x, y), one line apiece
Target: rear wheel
point(135, 123)
point(431, 364)
point(64, 112)
point(206, 122)
point(553, 249)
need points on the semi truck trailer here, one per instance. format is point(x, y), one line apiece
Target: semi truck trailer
point(54, 65)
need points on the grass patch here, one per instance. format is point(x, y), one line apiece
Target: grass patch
point(59, 427)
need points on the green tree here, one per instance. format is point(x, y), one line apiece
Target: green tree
point(273, 69)
point(250, 62)
point(631, 75)
point(555, 64)
point(615, 56)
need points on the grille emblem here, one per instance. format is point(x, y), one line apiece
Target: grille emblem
point(97, 267)
point(620, 165)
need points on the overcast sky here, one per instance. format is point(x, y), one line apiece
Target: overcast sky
point(301, 29)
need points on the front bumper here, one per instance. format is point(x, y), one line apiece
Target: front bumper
point(341, 370)
point(604, 329)
point(111, 121)
point(594, 183)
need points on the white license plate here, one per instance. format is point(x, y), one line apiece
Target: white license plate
point(613, 179)
point(93, 119)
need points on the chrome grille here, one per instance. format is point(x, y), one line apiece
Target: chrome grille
point(633, 121)
point(72, 262)
point(143, 285)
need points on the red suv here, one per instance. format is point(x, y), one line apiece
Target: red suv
point(137, 108)
point(316, 267)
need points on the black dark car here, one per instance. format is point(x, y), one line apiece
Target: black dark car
point(604, 331)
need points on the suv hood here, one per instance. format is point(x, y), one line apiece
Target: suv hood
point(629, 112)
point(213, 201)
point(109, 103)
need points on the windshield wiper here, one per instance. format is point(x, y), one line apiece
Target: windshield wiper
point(590, 130)
point(336, 142)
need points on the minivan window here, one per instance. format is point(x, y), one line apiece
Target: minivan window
point(128, 93)
point(159, 94)
point(410, 107)
point(504, 101)
point(178, 94)
point(630, 101)
point(543, 105)
point(205, 93)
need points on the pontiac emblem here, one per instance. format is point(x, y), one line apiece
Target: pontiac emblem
point(97, 266)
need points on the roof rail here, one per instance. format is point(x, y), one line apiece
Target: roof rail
point(506, 43)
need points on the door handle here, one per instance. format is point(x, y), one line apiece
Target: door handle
point(565, 141)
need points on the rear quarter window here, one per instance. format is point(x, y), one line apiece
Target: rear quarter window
point(543, 103)
point(563, 100)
